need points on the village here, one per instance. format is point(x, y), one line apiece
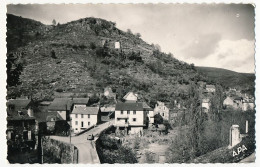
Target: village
point(76, 118)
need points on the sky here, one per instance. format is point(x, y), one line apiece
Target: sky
point(213, 35)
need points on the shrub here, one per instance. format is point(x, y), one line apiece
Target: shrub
point(93, 45)
point(53, 54)
point(150, 157)
point(59, 90)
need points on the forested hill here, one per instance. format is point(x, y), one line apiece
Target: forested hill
point(241, 81)
point(74, 57)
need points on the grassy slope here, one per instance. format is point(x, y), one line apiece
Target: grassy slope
point(242, 81)
point(70, 70)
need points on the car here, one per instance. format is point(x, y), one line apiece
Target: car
point(90, 137)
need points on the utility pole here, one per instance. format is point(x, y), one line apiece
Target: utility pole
point(70, 130)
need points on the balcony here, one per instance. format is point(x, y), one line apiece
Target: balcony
point(122, 116)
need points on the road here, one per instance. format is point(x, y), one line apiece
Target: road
point(87, 151)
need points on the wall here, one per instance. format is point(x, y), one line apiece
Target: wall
point(58, 152)
point(139, 117)
point(93, 120)
point(163, 110)
point(151, 116)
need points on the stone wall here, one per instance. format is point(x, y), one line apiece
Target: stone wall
point(58, 152)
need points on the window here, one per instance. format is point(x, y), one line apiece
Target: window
point(134, 119)
point(82, 124)
point(122, 112)
point(82, 116)
point(88, 123)
point(76, 115)
point(134, 112)
point(163, 108)
point(128, 112)
point(76, 122)
point(163, 114)
point(76, 129)
point(88, 115)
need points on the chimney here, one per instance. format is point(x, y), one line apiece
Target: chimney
point(246, 126)
point(234, 136)
point(30, 112)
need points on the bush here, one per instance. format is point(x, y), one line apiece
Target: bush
point(93, 46)
point(53, 54)
point(59, 90)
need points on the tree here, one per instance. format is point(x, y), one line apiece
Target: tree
point(54, 22)
point(129, 31)
point(138, 35)
point(158, 119)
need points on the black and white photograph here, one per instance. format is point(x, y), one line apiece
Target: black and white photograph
point(130, 83)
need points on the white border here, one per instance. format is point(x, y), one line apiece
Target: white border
point(3, 11)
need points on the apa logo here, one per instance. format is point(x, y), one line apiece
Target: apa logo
point(239, 150)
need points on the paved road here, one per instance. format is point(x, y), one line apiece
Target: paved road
point(249, 159)
point(87, 150)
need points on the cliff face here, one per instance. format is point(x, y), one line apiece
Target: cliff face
point(80, 56)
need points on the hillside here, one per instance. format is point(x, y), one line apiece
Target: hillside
point(73, 57)
point(241, 81)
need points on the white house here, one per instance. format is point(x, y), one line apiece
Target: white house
point(130, 97)
point(162, 109)
point(82, 117)
point(117, 45)
point(248, 105)
point(205, 105)
point(130, 116)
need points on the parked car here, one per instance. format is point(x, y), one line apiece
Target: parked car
point(90, 137)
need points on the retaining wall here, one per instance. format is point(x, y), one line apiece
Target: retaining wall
point(54, 151)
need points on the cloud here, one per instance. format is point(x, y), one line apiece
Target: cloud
point(235, 55)
point(201, 46)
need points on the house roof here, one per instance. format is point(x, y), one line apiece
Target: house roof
point(205, 100)
point(80, 100)
point(145, 106)
point(210, 86)
point(238, 98)
point(19, 103)
point(85, 110)
point(129, 94)
point(19, 117)
point(60, 104)
point(107, 109)
point(129, 106)
point(45, 116)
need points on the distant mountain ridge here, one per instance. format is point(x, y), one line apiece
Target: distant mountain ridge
point(228, 78)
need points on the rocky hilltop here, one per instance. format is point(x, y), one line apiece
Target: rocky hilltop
point(80, 56)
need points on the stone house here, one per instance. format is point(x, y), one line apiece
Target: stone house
point(210, 88)
point(20, 124)
point(238, 103)
point(162, 109)
point(248, 105)
point(83, 117)
point(228, 102)
point(205, 105)
point(108, 93)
